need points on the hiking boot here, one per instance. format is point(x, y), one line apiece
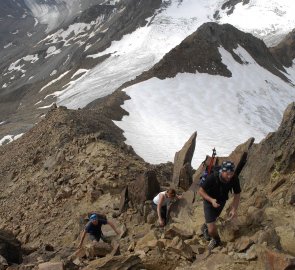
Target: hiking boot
point(214, 242)
point(205, 233)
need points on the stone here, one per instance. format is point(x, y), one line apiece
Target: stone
point(122, 262)
point(228, 231)
point(243, 243)
point(144, 188)
point(180, 247)
point(268, 236)
point(185, 176)
point(251, 253)
point(10, 247)
point(276, 260)
point(3, 263)
point(184, 158)
point(145, 240)
point(151, 218)
point(174, 231)
point(287, 238)
point(123, 200)
point(99, 249)
point(255, 216)
point(51, 266)
point(279, 183)
point(93, 195)
point(198, 249)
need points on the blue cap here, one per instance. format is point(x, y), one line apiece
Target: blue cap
point(228, 166)
point(93, 217)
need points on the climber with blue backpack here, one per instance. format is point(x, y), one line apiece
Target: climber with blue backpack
point(93, 228)
point(214, 186)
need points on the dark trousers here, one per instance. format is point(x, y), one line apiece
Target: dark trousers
point(211, 213)
point(164, 214)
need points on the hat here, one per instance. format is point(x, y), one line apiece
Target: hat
point(228, 166)
point(93, 217)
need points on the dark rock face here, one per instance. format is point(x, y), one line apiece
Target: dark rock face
point(182, 171)
point(10, 247)
point(275, 154)
point(146, 187)
point(284, 52)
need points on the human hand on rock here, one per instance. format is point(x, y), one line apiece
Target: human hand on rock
point(161, 222)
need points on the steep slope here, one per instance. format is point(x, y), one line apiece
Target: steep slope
point(74, 162)
point(276, 153)
point(63, 167)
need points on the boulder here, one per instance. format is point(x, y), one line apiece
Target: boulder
point(144, 188)
point(99, 249)
point(174, 231)
point(243, 243)
point(146, 240)
point(180, 247)
point(228, 231)
point(122, 262)
point(51, 266)
point(3, 263)
point(287, 238)
point(123, 200)
point(10, 247)
point(182, 170)
point(268, 236)
point(276, 260)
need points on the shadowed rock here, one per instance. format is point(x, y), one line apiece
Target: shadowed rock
point(276, 153)
point(10, 247)
point(182, 171)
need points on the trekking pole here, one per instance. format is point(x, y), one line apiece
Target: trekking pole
point(212, 159)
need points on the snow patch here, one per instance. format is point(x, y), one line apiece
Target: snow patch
point(78, 72)
point(46, 107)
point(52, 51)
point(7, 45)
point(9, 138)
point(53, 81)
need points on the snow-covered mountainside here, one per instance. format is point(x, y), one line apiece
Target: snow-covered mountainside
point(98, 49)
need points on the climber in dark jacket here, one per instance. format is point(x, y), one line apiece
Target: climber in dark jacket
point(214, 190)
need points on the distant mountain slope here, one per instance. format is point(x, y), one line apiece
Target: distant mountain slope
point(38, 69)
point(199, 53)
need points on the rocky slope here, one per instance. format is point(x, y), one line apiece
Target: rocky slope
point(74, 162)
